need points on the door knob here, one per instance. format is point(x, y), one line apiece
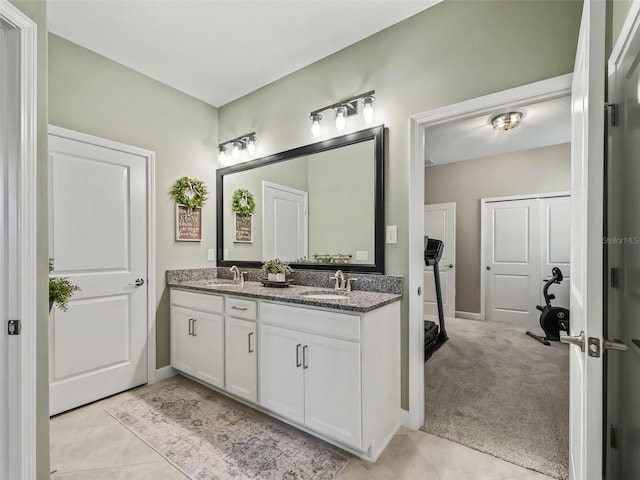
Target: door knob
point(450, 265)
point(137, 283)
point(577, 340)
point(488, 268)
point(615, 345)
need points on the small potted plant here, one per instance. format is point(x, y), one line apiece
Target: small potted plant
point(276, 270)
point(60, 292)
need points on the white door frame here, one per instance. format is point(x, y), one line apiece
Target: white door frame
point(21, 387)
point(549, 89)
point(483, 219)
point(150, 160)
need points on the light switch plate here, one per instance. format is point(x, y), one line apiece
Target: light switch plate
point(362, 255)
point(211, 254)
point(392, 234)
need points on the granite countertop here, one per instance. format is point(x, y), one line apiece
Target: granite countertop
point(357, 301)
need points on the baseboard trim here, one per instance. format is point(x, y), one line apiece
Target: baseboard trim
point(469, 315)
point(164, 373)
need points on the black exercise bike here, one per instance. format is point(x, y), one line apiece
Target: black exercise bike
point(552, 319)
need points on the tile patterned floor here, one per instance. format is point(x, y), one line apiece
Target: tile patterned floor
point(88, 444)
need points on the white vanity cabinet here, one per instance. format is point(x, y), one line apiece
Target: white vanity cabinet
point(335, 373)
point(197, 336)
point(241, 347)
point(330, 372)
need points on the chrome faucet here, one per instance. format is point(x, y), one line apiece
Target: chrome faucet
point(236, 273)
point(339, 278)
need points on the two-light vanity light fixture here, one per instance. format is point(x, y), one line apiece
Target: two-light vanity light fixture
point(343, 109)
point(243, 142)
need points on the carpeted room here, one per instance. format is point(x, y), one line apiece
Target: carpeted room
point(490, 386)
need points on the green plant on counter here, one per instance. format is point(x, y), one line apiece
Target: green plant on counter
point(60, 292)
point(276, 266)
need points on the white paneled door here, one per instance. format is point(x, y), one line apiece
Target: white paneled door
point(523, 240)
point(555, 222)
point(285, 222)
point(440, 223)
point(512, 264)
point(587, 212)
point(98, 239)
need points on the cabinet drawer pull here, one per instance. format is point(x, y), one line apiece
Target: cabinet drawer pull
point(234, 307)
point(249, 341)
point(305, 357)
point(298, 364)
point(193, 329)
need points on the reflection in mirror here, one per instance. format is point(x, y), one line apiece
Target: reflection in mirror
point(318, 206)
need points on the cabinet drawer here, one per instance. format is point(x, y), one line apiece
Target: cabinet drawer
point(321, 322)
point(241, 308)
point(202, 302)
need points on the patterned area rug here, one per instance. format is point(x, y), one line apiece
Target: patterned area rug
point(209, 436)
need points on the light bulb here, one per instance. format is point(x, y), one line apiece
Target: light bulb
point(235, 151)
point(341, 119)
point(251, 145)
point(367, 109)
point(316, 129)
point(222, 155)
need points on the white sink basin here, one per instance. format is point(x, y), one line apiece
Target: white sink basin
point(325, 296)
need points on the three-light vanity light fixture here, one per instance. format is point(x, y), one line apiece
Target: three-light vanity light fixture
point(345, 108)
point(243, 142)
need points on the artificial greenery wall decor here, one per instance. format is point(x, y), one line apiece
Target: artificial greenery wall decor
point(189, 192)
point(60, 292)
point(243, 202)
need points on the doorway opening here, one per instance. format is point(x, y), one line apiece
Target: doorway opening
point(494, 172)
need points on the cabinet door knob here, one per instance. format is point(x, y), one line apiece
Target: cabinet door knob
point(298, 364)
point(249, 342)
point(191, 326)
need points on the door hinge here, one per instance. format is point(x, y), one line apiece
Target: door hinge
point(613, 113)
point(613, 436)
point(613, 276)
point(14, 327)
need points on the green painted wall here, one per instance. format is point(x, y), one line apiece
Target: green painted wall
point(92, 94)
point(618, 13)
point(37, 11)
point(342, 201)
point(452, 52)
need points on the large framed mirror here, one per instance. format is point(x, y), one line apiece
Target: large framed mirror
point(318, 207)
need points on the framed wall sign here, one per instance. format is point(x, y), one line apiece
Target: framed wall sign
point(188, 224)
point(243, 228)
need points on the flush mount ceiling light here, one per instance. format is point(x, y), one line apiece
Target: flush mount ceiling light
point(506, 121)
point(344, 109)
point(243, 142)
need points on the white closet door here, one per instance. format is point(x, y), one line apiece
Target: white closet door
point(512, 275)
point(555, 219)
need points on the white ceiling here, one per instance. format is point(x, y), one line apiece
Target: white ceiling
point(543, 124)
point(220, 50)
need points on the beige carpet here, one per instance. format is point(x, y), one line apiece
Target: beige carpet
point(209, 436)
point(496, 390)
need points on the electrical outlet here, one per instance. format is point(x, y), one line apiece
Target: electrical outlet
point(392, 234)
point(211, 254)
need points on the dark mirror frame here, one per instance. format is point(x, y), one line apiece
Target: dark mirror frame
point(377, 134)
